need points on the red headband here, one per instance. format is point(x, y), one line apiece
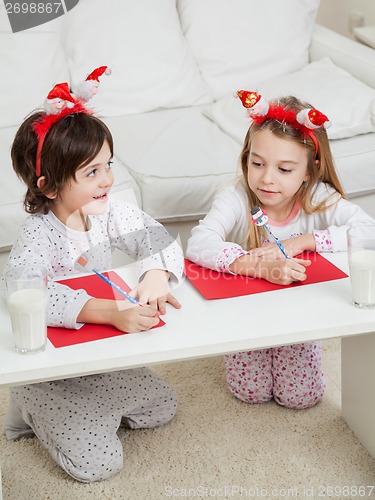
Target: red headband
point(60, 103)
point(305, 121)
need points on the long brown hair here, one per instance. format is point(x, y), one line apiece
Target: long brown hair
point(72, 142)
point(320, 166)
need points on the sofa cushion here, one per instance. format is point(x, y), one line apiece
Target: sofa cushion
point(178, 157)
point(12, 192)
point(223, 36)
point(357, 177)
point(348, 103)
point(31, 62)
point(143, 44)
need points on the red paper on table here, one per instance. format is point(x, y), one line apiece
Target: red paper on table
point(96, 287)
point(214, 285)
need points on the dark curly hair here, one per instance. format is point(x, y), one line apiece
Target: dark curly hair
point(71, 143)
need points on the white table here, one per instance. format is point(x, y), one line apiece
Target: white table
point(206, 328)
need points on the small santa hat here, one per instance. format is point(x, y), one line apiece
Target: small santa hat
point(61, 91)
point(58, 98)
point(255, 103)
point(94, 75)
point(312, 119)
point(87, 89)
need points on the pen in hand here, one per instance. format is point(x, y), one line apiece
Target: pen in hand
point(83, 262)
point(260, 219)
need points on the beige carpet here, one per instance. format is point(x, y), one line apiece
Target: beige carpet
point(216, 447)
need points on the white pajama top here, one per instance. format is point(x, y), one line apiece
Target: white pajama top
point(216, 242)
point(45, 241)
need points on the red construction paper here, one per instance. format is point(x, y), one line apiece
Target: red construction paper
point(214, 285)
point(96, 287)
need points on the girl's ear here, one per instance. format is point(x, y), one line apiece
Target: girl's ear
point(40, 183)
point(307, 178)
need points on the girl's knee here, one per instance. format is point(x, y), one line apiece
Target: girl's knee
point(91, 469)
point(298, 375)
point(300, 397)
point(250, 395)
point(87, 454)
point(249, 375)
point(299, 403)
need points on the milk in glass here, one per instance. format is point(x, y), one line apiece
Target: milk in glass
point(362, 276)
point(26, 287)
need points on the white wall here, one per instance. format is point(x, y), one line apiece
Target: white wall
point(335, 14)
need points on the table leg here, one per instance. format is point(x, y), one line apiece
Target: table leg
point(358, 387)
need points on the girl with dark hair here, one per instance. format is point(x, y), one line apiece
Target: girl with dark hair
point(64, 156)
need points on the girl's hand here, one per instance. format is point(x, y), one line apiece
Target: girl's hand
point(121, 314)
point(293, 246)
point(132, 318)
point(154, 290)
point(282, 271)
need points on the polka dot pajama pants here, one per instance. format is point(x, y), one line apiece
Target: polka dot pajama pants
point(292, 375)
point(77, 419)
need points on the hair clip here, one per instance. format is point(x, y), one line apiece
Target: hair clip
point(312, 119)
point(260, 110)
point(60, 102)
point(89, 87)
point(58, 98)
point(255, 103)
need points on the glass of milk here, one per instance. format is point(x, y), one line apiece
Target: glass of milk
point(27, 303)
point(361, 254)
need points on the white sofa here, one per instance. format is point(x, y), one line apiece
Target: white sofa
point(169, 103)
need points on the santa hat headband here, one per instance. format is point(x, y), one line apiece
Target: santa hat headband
point(60, 103)
point(306, 120)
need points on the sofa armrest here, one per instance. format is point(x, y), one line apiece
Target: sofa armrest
point(353, 57)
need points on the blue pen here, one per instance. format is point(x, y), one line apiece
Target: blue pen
point(113, 285)
point(82, 261)
point(260, 219)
